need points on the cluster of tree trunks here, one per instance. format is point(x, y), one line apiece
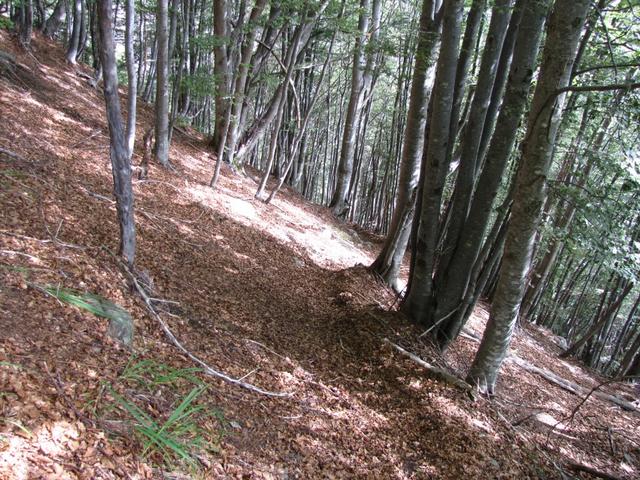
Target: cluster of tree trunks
point(426, 140)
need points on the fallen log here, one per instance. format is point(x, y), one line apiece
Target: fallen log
point(439, 373)
point(559, 381)
point(578, 467)
point(570, 386)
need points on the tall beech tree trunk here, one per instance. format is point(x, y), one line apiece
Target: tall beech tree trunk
point(240, 84)
point(220, 68)
point(454, 285)
point(74, 40)
point(25, 22)
point(389, 260)
point(470, 42)
point(161, 149)
point(345, 169)
point(470, 143)
point(565, 25)
point(120, 164)
point(132, 83)
point(417, 302)
point(53, 23)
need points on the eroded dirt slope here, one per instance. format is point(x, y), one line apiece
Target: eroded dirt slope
point(270, 293)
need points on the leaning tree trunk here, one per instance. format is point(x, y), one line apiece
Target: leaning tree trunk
point(120, 164)
point(240, 84)
point(53, 23)
point(162, 85)
point(598, 323)
point(220, 69)
point(417, 302)
point(565, 25)
point(132, 85)
point(470, 143)
point(25, 23)
point(389, 260)
point(458, 279)
point(345, 168)
point(74, 40)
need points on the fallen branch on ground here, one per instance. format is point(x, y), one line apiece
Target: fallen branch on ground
point(206, 368)
point(435, 371)
point(578, 467)
point(562, 382)
point(13, 155)
point(570, 386)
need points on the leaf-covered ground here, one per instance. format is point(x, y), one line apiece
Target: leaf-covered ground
point(274, 294)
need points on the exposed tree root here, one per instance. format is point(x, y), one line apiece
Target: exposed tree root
point(206, 368)
point(435, 371)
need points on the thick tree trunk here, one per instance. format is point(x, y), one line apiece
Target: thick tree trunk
point(417, 302)
point(389, 260)
point(220, 68)
point(565, 25)
point(120, 164)
point(53, 23)
point(452, 291)
point(74, 40)
point(25, 22)
point(161, 149)
point(470, 143)
point(339, 201)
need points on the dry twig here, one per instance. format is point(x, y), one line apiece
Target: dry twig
point(207, 369)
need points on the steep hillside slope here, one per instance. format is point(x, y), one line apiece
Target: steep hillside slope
point(271, 294)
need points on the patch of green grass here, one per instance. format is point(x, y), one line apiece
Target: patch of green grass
point(6, 23)
point(178, 438)
point(91, 302)
point(153, 374)
point(166, 409)
point(18, 424)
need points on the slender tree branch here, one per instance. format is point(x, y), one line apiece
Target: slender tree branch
point(599, 88)
point(605, 67)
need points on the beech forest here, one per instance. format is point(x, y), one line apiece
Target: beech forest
point(276, 239)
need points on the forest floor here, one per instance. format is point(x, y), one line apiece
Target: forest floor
point(273, 294)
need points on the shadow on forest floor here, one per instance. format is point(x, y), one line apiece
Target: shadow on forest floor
point(263, 292)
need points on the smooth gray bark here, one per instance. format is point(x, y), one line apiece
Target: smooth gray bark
point(453, 287)
point(161, 149)
point(565, 25)
point(53, 23)
point(345, 167)
point(470, 143)
point(132, 79)
point(417, 301)
point(120, 164)
point(220, 68)
point(74, 40)
point(240, 84)
point(388, 262)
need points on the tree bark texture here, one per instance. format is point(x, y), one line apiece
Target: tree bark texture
point(565, 25)
point(120, 164)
